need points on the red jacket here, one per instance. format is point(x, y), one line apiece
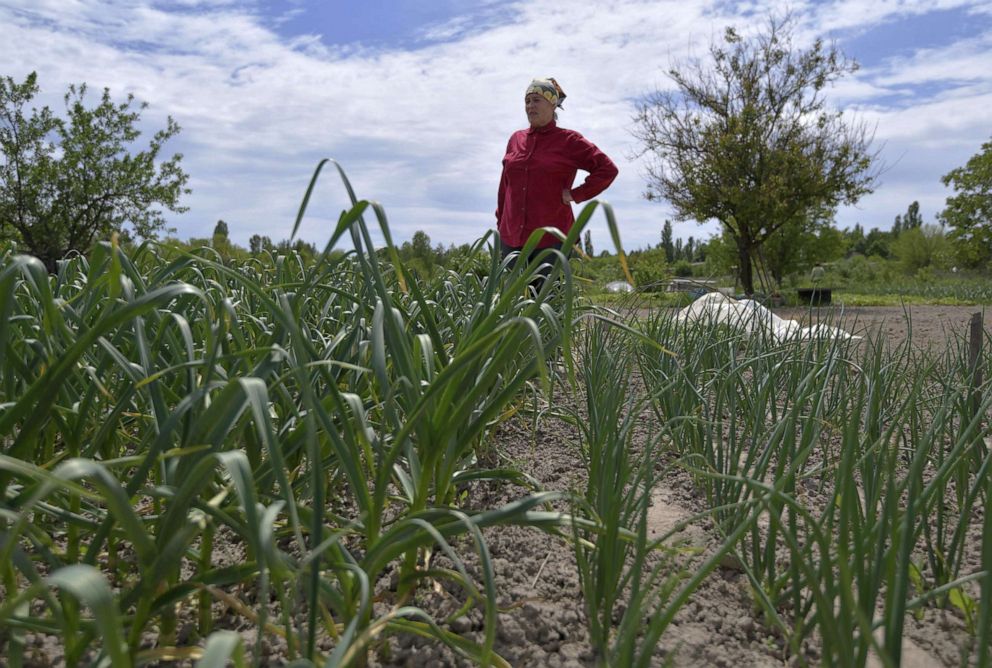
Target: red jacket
point(539, 164)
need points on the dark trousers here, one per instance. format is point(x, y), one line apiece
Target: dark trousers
point(543, 272)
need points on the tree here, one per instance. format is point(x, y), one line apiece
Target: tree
point(304, 248)
point(920, 247)
point(969, 212)
point(650, 270)
point(26, 153)
point(421, 246)
point(220, 229)
point(66, 181)
point(912, 220)
point(417, 254)
point(258, 243)
point(747, 139)
point(690, 250)
point(854, 239)
point(666, 241)
point(877, 243)
point(721, 255)
point(219, 241)
point(798, 247)
point(587, 244)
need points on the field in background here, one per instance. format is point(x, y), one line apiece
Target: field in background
point(856, 280)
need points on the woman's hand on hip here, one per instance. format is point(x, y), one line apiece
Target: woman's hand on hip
point(566, 196)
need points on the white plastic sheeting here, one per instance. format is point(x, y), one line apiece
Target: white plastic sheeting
point(751, 317)
point(619, 286)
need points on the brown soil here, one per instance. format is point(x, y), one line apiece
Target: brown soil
point(542, 619)
point(929, 325)
point(536, 573)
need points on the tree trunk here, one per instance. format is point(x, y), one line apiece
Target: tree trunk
point(744, 266)
point(50, 258)
point(51, 262)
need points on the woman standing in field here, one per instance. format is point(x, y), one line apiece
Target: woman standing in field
point(538, 171)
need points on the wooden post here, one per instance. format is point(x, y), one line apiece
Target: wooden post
point(974, 355)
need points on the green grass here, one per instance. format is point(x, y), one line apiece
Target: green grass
point(888, 299)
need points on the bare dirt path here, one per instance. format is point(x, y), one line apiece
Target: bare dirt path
point(928, 325)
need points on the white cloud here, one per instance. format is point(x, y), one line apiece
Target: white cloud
point(966, 60)
point(859, 17)
point(424, 130)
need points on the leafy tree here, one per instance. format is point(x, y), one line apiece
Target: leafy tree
point(304, 248)
point(854, 239)
point(258, 243)
point(969, 212)
point(861, 270)
point(920, 247)
point(721, 255)
point(682, 269)
point(220, 241)
point(220, 229)
point(747, 139)
point(418, 255)
point(67, 181)
point(666, 241)
point(799, 246)
point(587, 245)
point(465, 258)
point(912, 220)
point(421, 244)
point(698, 250)
point(877, 243)
point(27, 153)
point(649, 269)
point(689, 252)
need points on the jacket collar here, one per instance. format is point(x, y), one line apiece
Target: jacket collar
point(543, 129)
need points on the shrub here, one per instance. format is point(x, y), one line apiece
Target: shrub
point(650, 269)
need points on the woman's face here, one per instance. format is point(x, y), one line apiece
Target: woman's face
point(540, 112)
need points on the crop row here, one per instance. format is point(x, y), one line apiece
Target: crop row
point(159, 409)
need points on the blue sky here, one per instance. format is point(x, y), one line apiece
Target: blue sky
point(416, 98)
point(382, 24)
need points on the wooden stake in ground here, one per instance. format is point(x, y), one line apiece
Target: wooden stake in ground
point(974, 353)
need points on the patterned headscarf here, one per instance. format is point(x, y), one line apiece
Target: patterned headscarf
point(549, 89)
